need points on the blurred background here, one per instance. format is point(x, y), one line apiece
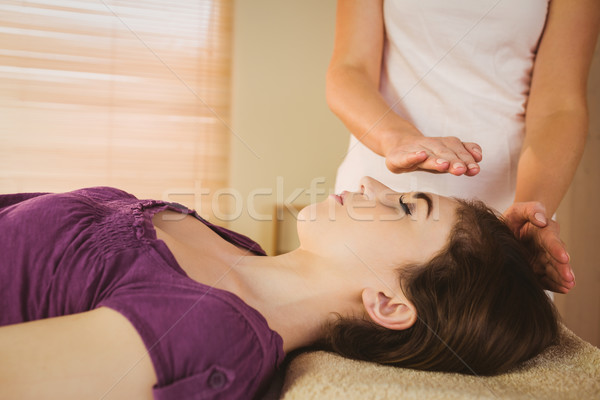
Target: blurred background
point(216, 104)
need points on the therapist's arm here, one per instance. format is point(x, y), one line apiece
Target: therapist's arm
point(352, 94)
point(557, 123)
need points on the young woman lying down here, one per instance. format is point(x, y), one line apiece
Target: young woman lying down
point(106, 296)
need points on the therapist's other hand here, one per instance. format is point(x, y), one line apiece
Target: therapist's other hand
point(528, 219)
point(433, 154)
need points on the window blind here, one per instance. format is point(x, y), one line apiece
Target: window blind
point(132, 94)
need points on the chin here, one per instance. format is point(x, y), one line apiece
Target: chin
point(308, 214)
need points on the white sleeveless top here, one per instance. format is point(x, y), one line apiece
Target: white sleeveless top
point(457, 68)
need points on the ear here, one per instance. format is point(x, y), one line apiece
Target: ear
point(390, 312)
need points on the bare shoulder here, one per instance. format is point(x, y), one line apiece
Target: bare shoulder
point(95, 354)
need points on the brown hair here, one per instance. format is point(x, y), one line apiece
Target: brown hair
point(480, 307)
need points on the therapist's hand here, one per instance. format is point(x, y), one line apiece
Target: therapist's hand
point(433, 154)
point(554, 271)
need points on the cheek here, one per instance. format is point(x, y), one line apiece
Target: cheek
point(374, 243)
point(389, 244)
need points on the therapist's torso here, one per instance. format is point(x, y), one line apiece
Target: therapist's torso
point(457, 68)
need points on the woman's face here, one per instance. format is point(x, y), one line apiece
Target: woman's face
point(378, 226)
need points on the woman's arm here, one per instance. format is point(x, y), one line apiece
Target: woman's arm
point(93, 355)
point(353, 95)
point(557, 118)
point(556, 127)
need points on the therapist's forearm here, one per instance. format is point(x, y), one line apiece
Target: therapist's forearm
point(552, 149)
point(355, 99)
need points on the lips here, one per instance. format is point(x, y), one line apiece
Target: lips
point(343, 195)
point(337, 198)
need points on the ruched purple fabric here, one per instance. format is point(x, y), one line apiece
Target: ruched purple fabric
point(72, 252)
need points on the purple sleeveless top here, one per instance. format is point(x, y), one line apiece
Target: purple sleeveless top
point(67, 253)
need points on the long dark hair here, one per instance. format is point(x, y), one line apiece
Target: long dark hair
point(480, 307)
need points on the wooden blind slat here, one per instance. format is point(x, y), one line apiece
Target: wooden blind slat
point(84, 101)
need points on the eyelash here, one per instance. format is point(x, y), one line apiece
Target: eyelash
point(404, 206)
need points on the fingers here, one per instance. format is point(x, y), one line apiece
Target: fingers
point(550, 240)
point(518, 214)
point(452, 152)
point(548, 284)
point(552, 280)
point(474, 150)
point(556, 254)
point(402, 161)
point(463, 162)
point(555, 273)
point(549, 277)
point(558, 274)
point(437, 155)
point(435, 163)
point(471, 167)
point(553, 268)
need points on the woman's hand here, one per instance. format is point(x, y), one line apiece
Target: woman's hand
point(529, 220)
point(433, 154)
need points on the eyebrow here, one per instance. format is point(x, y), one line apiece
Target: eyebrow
point(421, 195)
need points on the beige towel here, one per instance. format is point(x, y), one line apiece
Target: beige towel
point(568, 370)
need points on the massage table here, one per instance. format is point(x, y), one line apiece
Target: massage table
point(568, 370)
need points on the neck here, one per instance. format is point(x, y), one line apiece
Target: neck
point(298, 293)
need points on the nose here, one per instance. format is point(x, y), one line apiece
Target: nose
point(377, 191)
point(374, 186)
point(366, 187)
point(367, 182)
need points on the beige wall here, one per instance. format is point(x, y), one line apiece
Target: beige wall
point(280, 117)
point(281, 51)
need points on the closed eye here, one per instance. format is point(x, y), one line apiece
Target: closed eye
point(405, 207)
